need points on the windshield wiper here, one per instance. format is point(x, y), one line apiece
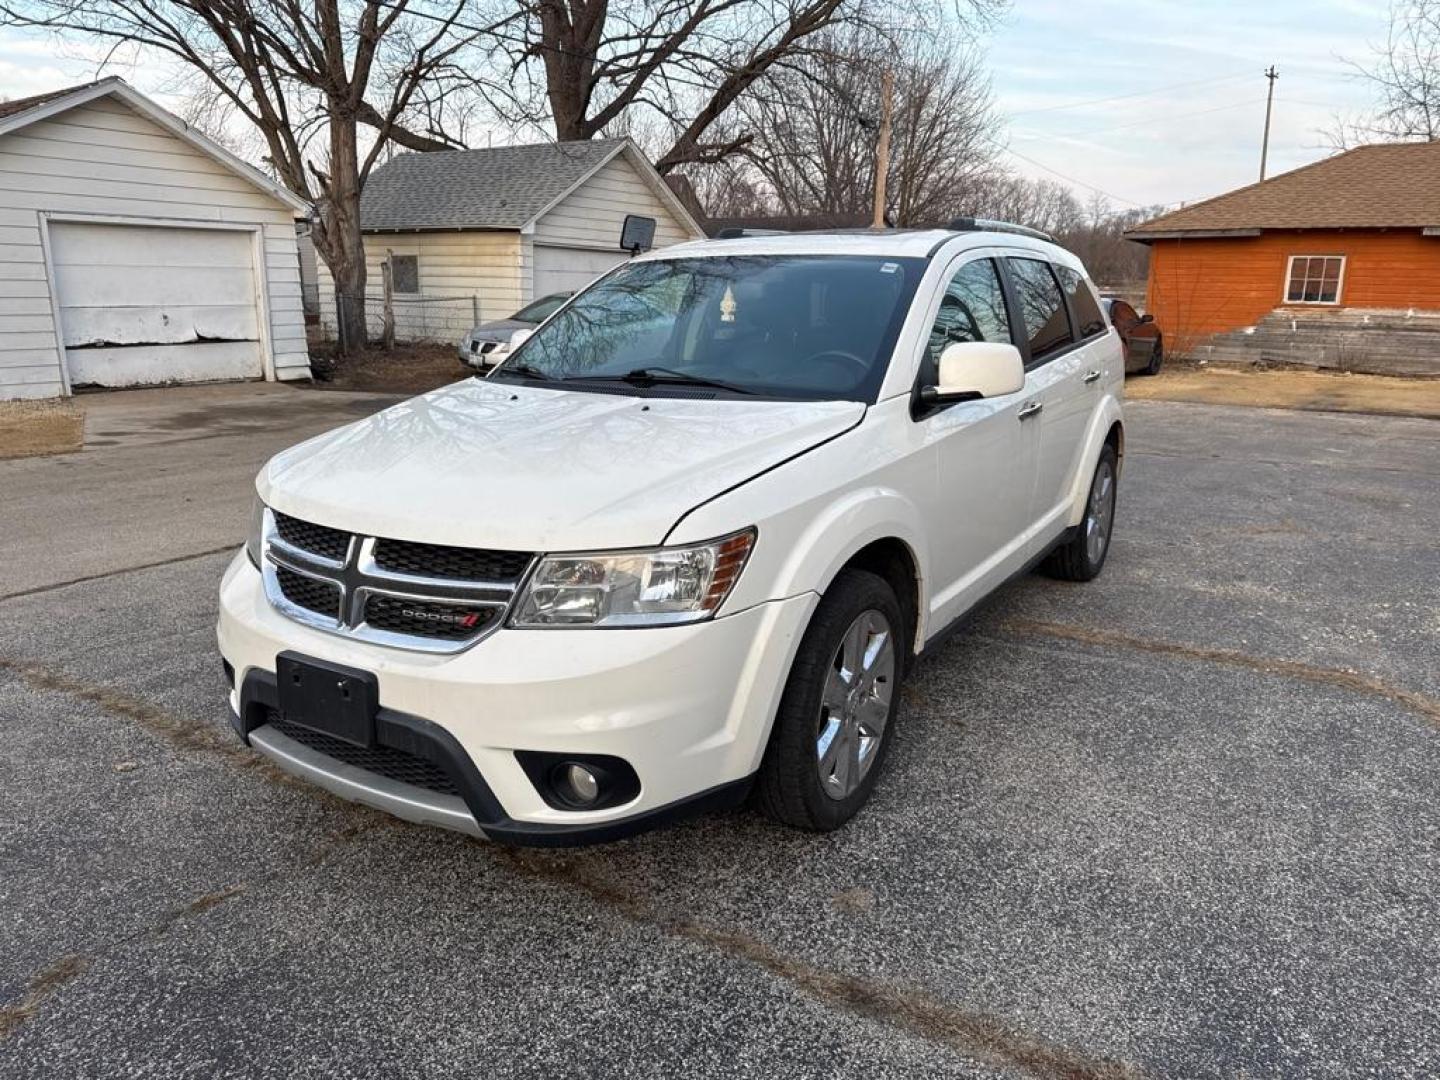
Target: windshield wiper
point(528, 371)
point(663, 376)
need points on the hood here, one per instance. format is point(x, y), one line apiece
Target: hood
point(499, 329)
point(524, 468)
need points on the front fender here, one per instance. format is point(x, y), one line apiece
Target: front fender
point(858, 518)
point(801, 550)
point(1108, 413)
point(816, 511)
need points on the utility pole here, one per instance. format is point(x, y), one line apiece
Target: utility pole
point(1272, 75)
point(882, 146)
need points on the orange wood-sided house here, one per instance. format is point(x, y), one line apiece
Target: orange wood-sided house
point(1360, 230)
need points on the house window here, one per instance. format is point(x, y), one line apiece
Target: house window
point(405, 273)
point(1315, 279)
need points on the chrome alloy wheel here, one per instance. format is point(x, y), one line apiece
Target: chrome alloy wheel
point(1100, 514)
point(855, 704)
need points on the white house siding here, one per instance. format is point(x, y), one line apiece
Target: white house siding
point(103, 159)
point(461, 274)
point(569, 269)
point(593, 214)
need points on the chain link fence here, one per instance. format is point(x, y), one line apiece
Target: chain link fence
point(417, 317)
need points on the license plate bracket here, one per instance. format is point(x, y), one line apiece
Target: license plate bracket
point(329, 698)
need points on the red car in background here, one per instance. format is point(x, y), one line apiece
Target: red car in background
point(1144, 344)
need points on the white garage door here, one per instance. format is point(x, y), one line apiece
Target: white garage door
point(559, 269)
point(151, 304)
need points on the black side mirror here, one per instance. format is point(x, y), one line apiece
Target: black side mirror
point(1147, 318)
point(637, 234)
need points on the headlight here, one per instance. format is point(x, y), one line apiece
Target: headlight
point(658, 587)
point(254, 542)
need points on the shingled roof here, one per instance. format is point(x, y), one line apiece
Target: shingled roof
point(505, 187)
point(19, 105)
point(1393, 185)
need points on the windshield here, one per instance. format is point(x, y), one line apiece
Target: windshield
point(809, 326)
point(541, 309)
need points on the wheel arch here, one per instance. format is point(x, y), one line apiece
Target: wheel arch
point(1107, 428)
point(892, 559)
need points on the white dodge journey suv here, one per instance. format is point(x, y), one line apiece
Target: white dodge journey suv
point(686, 542)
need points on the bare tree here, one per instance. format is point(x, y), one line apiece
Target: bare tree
point(307, 77)
point(687, 61)
point(1405, 74)
point(1098, 238)
point(1041, 204)
point(813, 124)
point(943, 148)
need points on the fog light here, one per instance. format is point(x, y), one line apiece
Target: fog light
point(578, 783)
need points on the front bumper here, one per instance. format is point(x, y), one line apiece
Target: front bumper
point(688, 707)
point(478, 356)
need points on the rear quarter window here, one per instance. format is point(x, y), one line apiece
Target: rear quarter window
point(1088, 316)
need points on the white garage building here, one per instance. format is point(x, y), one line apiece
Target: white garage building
point(135, 251)
point(476, 234)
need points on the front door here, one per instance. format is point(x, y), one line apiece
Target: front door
point(985, 454)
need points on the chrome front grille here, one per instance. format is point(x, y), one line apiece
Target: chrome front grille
point(462, 564)
point(424, 618)
point(332, 544)
point(311, 593)
point(400, 593)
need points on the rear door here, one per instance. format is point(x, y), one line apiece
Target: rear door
point(1064, 322)
point(985, 457)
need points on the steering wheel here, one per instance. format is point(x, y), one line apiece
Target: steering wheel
point(837, 357)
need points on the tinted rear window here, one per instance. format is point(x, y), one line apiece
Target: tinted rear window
point(1041, 305)
point(1082, 302)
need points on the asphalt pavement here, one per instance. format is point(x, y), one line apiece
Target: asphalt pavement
point(1181, 821)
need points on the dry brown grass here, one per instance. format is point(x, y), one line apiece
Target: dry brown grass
point(35, 428)
point(1291, 389)
point(407, 369)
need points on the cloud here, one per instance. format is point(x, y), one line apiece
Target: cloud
point(1181, 77)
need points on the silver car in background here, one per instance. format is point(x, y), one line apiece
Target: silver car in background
point(490, 342)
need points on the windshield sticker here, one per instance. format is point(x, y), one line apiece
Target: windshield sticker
point(728, 306)
point(889, 268)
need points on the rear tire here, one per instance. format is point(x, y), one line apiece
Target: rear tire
point(1082, 557)
point(1157, 357)
point(836, 716)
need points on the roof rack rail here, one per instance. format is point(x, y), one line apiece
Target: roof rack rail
point(736, 232)
point(974, 224)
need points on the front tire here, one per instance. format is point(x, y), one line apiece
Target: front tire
point(836, 715)
point(1082, 557)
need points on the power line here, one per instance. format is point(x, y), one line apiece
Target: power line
point(1126, 97)
point(1164, 119)
point(1069, 179)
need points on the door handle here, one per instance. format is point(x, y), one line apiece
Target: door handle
point(1091, 376)
point(1029, 409)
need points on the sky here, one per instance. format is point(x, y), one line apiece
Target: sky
point(1190, 122)
point(1147, 102)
